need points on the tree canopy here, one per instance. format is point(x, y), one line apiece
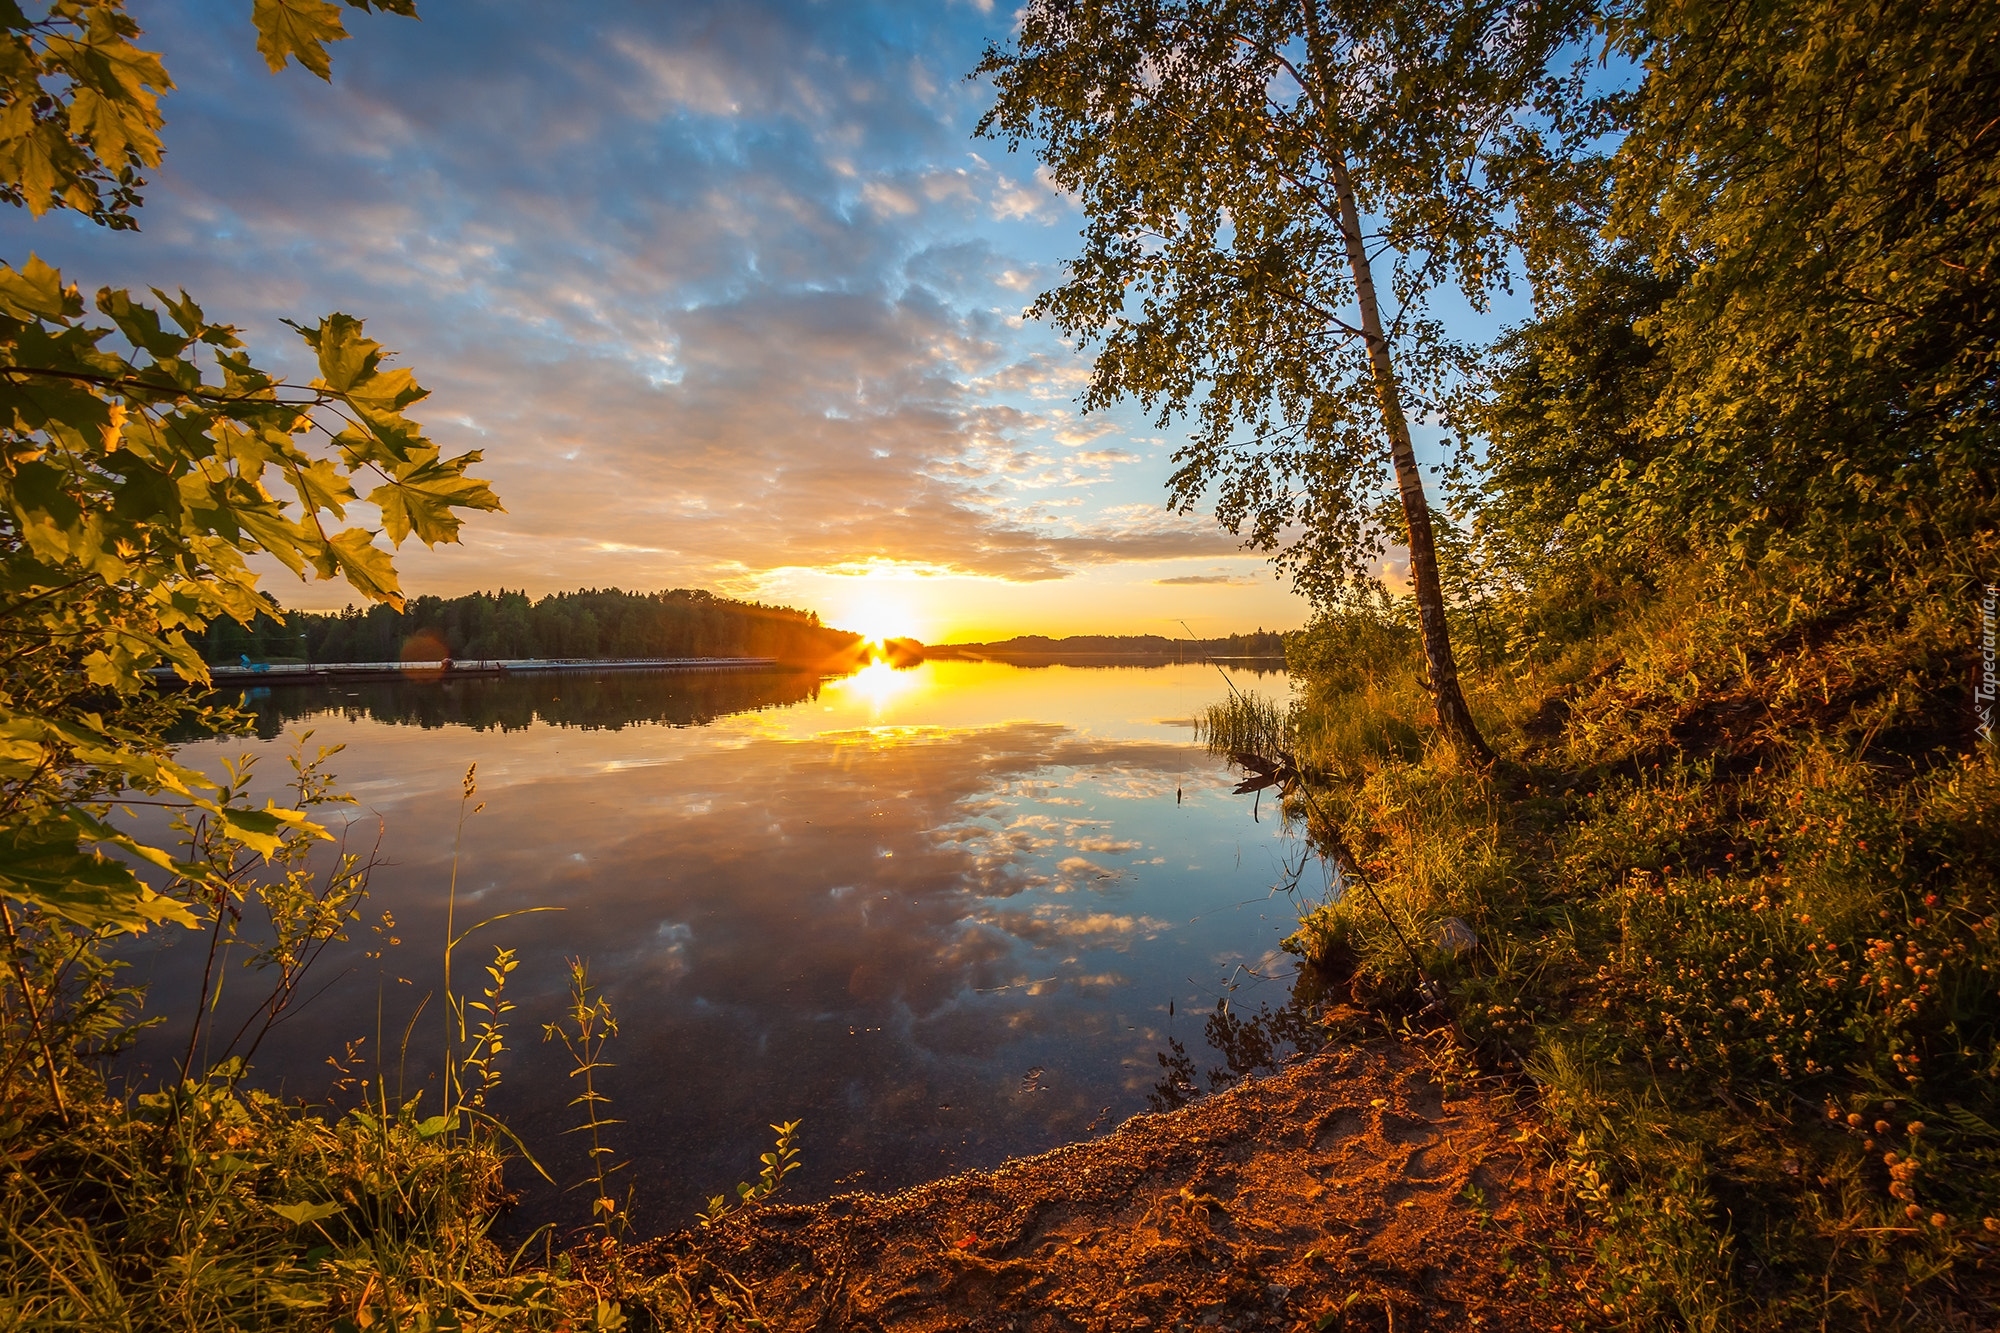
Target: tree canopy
point(1788, 346)
point(1203, 140)
point(1229, 156)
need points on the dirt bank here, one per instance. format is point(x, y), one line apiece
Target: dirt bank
point(1345, 1193)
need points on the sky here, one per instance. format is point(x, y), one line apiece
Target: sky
point(728, 294)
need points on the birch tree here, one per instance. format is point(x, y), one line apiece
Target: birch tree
point(1272, 188)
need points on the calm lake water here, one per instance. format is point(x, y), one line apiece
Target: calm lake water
point(942, 916)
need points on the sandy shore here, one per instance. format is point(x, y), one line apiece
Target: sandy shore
point(1345, 1193)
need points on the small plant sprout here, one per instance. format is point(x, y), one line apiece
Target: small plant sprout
point(781, 1161)
point(583, 1031)
point(471, 1068)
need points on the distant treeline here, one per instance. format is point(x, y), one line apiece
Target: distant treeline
point(1263, 643)
point(590, 624)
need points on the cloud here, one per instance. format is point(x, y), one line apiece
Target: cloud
point(1012, 200)
point(1198, 580)
point(714, 287)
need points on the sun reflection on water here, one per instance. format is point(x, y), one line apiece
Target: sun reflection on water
point(881, 684)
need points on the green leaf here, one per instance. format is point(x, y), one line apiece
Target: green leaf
point(321, 486)
point(43, 866)
point(36, 292)
point(353, 555)
point(140, 325)
point(300, 1214)
point(263, 831)
point(421, 499)
point(298, 30)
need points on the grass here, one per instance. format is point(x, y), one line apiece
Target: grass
point(207, 1205)
point(1736, 888)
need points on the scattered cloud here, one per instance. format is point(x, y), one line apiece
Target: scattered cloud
point(717, 289)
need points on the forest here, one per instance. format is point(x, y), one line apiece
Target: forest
point(591, 623)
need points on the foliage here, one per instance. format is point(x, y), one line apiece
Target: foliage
point(209, 1204)
point(1734, 883)
point(1794, 327)
point(1735, 891)
point(141, 455)
point(781, 1161)
point(1562, 407)
point(1205, 143)
point(79, 103)
point(214, 1207)
point(134, 489)
point(143, 462)
point(1225, 153)
point(274, 907)
point(583, 1031)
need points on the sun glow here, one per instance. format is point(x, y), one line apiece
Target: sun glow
point(878, 607)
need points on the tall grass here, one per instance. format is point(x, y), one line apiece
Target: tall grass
point(205, 1204)
point(1737, 894)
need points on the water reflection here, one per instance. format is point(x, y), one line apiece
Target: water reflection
point(610, 700)
point(1256, 1044)
point(942, 917)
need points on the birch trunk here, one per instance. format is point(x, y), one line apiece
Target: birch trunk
point(1454, 718)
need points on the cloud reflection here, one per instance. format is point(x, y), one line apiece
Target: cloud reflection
point(876, 928)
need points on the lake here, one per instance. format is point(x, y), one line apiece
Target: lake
point(942, 916)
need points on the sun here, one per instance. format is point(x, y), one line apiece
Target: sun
point(878, 610)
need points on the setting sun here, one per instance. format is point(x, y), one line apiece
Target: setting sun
point(878, 607)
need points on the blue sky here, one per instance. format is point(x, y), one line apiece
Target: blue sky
point(727, 293)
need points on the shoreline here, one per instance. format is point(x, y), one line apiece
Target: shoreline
point(1357, 1189)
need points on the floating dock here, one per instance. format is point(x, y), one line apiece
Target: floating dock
point(301, 672)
